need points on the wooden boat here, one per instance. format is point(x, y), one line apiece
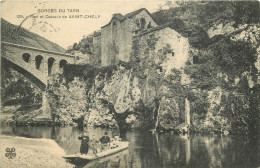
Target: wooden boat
point(121, 146)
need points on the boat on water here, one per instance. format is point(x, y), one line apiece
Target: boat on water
point(122, 145)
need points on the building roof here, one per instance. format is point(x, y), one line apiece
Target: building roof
point(121, 17)
point(131, 14)
point(147, 31)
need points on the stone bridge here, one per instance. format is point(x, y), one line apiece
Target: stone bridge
point(35, 64)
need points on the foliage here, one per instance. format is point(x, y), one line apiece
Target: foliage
point(203, 75)
point(218, 65)
point(254, 107)
point(233, 57)
point(199, 102)
point(81, 71)
point(192, 19)
point(246, 12)
point(144, 114)
point(6, 73)
point(17, 88)
point(235, 108)
point(85, 45)
point(86, 72)
point(223, 57)
point(210, 13)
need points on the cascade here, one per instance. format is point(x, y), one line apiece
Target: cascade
point(187, 111)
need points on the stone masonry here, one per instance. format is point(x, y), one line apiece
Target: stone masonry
point(115, 41)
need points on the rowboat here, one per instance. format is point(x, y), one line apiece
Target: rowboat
point(121, 146)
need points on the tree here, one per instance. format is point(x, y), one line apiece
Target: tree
point(75, 47)
point(234, 57)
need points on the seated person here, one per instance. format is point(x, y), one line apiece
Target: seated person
point(105, 141)
point(117, 139)
point(93, 144)
point(115, 142)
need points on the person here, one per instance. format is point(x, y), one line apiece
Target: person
point(105, 141)
point(115, 142)
point(93, 144)
point(84, 143)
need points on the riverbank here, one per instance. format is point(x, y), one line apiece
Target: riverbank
point(32, 153)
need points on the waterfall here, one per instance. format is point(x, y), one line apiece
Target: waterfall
point(156, 117)
point(187, 111)
point(46, 111)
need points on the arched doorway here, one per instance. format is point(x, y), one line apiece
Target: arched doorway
point(26, 57)
point(50, 66)
point(39, 62)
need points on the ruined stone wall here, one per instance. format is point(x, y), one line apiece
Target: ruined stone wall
point(128, 28)
point(116, 40)
point(125, 40)
point(106, 45)
point(178, 44)
point(171, 50)
point(115, 33)
point(95, 59)
point(117, 37)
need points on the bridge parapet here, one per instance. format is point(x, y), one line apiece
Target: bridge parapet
point(48, 53)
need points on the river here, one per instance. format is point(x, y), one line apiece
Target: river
point(153, 150)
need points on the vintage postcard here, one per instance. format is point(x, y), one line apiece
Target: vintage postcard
point(130, 84)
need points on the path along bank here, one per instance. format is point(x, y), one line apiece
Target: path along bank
point(32, 153)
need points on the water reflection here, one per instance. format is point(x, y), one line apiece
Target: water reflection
point(148, 150)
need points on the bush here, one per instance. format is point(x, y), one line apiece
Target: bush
point(234, 57)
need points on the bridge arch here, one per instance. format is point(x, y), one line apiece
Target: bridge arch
point(19, 67)
point(39, 62)
point(51, 69)
point(62, 63)
point(26, 57)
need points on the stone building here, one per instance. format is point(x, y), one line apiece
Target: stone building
point(170, 49)
point(96, 57)
point(115, 41)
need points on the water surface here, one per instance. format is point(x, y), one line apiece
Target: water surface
point(148, 150)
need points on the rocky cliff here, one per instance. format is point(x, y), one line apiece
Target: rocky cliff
point(143, 93)
point(228, 91)
point(208, 92)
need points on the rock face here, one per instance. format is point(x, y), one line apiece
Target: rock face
point(164, 87)
point(243, 32)
point(68, 102)
point(133, 94)
point(231, 107)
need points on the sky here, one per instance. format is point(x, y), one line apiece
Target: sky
point(56, 20)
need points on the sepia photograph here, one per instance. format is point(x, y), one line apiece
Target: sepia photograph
point(130, 84)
